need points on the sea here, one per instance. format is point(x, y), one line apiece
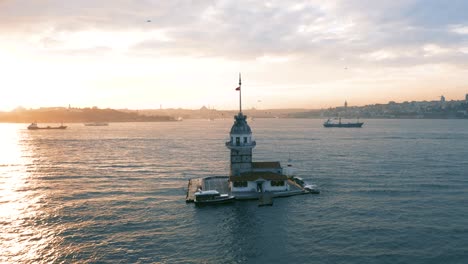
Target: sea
point(394, 191)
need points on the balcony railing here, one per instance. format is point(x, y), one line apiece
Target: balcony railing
point(231, 144)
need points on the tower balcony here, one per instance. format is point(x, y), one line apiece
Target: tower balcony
point(240, 145)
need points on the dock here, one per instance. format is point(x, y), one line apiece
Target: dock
point(265, 198)
point(193, 186)
point(221, 184)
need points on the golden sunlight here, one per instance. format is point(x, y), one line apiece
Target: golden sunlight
point(16, 203)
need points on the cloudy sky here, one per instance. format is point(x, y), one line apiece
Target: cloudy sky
point(310, 54)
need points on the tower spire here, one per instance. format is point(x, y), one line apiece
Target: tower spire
point(240, 94)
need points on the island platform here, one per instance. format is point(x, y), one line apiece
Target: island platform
point(221, 184)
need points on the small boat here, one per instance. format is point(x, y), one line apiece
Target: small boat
point(310, 188)
point(212, 197)
point(96, 124)
point(34, 126)
point(330, 123)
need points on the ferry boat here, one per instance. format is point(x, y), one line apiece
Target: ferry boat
point(212, 197)
point(34, 126)
point(329, 123)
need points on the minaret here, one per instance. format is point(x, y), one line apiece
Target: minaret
point(241, 141)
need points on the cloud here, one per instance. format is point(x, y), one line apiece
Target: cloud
point(381, 55)
point(435, 50)
point(360, 31)
point(459, 29)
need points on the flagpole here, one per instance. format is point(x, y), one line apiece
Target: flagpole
point(240, 94)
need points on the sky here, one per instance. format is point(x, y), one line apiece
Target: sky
point(292, 54)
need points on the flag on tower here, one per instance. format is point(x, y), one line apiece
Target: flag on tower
point(238, 88)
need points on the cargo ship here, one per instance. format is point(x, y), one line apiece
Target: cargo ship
point(329, 123)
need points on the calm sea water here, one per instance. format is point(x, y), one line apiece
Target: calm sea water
point(395, 191)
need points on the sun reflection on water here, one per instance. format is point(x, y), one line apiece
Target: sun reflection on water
point(22, 237)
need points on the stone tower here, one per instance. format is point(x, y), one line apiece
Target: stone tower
point(241, 144)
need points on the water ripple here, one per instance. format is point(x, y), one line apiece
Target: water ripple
point(392, 192)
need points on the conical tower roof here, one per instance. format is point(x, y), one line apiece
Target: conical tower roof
point(240, 126)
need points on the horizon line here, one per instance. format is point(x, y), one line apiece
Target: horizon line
point(208, 108)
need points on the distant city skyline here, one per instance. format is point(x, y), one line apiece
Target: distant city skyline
point(345, 104)
point(300, 54)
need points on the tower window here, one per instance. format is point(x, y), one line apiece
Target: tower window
point(245, 139)
point(238, 141)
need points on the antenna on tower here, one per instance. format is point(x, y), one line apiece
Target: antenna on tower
point(240, 94)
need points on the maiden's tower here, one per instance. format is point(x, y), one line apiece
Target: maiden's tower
point(246, 175)
point(247, 179)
